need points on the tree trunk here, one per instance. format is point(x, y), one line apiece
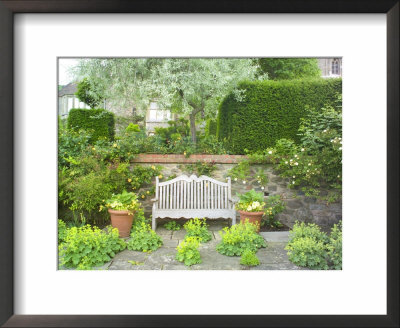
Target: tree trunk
point(192, 117)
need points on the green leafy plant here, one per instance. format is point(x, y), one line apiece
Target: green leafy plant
point(89, 93)
point(200, 168)
point(87, 247)
point(238, 238)
point(188, 252)
point(98, 122)
point(197, 228)
point(308, 252)
point(144, 239)
point(273, 206)
point(126, 201)
point(240, 171)
point(62, 231)
point(335, 247)
point(132, 128)
point(251, 201)
point(172, 225)
point(249, 258)
point(309, 247)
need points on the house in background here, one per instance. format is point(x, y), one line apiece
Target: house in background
point(330, 67)
point(67, 99)
point(157, 118)
point(153, 116)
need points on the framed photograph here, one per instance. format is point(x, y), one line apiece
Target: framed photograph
point(152, 111)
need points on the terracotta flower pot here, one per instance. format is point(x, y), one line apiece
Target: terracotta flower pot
point(253, 217)
point(122, 221)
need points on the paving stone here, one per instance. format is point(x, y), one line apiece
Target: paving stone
point(161, 256)
point(128, 255)
point(156, 266)
point(120, 265)
point(217, 236)
point(276, 236)
point(179, 235)
point(164, 232)
point(277, 266)
point(170, 243)
point(179, 266)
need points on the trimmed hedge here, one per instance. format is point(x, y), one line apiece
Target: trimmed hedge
point(211, 128)
point(270, 111)
point(98, 122)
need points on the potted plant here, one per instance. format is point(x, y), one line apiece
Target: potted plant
point(251, 206)
point(121, 208)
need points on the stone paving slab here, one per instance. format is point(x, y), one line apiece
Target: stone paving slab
point(276, 236)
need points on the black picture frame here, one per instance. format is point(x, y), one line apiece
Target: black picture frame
point(10, 7)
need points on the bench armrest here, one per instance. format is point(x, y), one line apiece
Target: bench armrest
point(234, 199)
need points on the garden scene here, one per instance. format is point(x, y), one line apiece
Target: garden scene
point(200, 164)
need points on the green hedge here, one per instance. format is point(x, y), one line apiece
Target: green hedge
point(211, 128)
point(99, 122)
point(270, 111)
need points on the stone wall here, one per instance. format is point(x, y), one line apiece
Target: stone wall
point(298, 206)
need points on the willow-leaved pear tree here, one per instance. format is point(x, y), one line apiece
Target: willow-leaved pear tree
point(187, 86)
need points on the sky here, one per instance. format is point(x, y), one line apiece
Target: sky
point(64, 64)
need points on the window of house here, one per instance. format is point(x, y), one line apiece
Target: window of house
point(335, 67)
point(159, 115)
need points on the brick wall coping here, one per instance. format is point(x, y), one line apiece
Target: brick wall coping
point(180, 158)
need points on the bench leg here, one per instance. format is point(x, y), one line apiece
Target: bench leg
point(153, 219)
point(234, 220)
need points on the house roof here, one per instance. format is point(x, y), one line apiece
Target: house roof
point(68, 89)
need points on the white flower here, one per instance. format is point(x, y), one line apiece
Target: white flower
point(309, 164)
point(338, 176)
point(296, 163)
point(235, 179)
point(340, 148)
point(244, 182)
point(286, 162)
point(293, 182)
point(249, 208)
point(262, 188)
point(302, 149)
point(324, 130)
point(294, 177)
point(332, 140)
point(270, 152)
point(296, 156)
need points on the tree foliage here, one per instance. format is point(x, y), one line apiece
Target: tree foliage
point(185, 86)
point(289, 68)
point(89, 93)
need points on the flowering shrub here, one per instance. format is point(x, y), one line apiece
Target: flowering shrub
point(310, 247)
point(249, 258)
point(197, 228)
point(238, 238)
point(200, 168)
point(88, 246)
point(188, 252)
point(251, 201)
point(240, 171)
point(144, 239)
point(126, 201)
point(273, 206)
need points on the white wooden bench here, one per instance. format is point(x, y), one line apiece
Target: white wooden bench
point(193, 197)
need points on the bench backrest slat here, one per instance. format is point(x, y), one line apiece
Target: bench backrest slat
point(193, 193)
